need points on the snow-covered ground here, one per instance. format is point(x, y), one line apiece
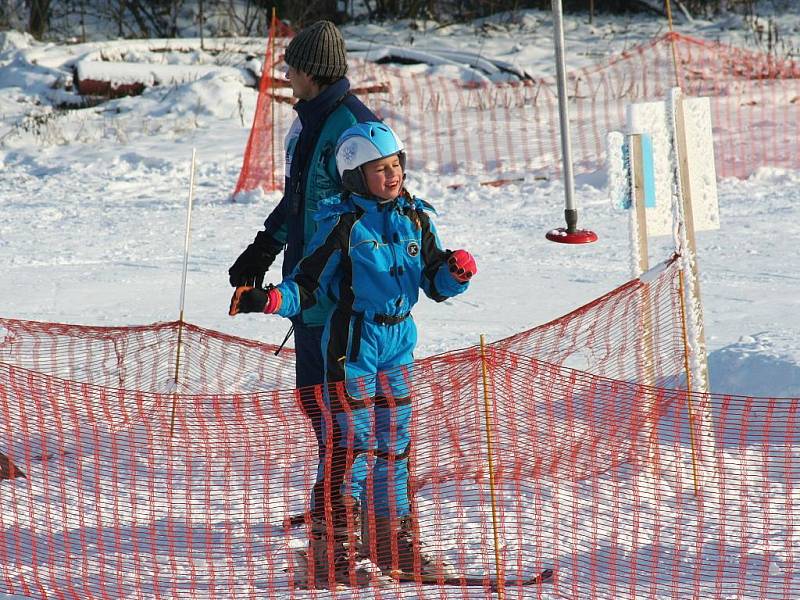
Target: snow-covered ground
point(94, 201)
point(92, 223)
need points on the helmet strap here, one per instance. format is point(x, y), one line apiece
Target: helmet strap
point(354, 181)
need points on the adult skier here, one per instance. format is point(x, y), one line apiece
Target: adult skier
point(325, 107)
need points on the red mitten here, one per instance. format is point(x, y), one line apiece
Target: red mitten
point(274, 300)
point(462, 265)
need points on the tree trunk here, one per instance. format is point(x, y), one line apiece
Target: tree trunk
point(120, 18)
point(83, 21)
point(201, 21)
point(39, 18)
point(328, 9)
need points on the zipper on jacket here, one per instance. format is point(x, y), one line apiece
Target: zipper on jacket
point(395, 266)
point(296, 195)
point(325, 154)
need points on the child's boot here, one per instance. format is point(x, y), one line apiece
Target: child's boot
point(397, 548)
point(336, 562)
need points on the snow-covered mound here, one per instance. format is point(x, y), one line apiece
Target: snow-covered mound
point(14, 40)
point(763, 364)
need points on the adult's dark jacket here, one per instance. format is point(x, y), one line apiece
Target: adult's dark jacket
point(311, 176)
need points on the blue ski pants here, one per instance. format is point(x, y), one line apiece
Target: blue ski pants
point(368, 367)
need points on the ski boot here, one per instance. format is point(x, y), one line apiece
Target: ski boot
point(397, 549)
point(336, 562)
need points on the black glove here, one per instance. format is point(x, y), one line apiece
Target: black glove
point(252, 264)
point(248, 299)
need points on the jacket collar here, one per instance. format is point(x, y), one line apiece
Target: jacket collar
point(372, 204)
point(311, 111)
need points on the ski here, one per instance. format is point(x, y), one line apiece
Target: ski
point(472, 580)
point(300, 569)
point(545, 576)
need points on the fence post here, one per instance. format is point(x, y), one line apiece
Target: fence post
point(501, 592)
point(186, 240)
point(272, 31)
point(696, 358)
point(689, 407)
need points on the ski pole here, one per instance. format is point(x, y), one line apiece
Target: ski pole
point(286, 339)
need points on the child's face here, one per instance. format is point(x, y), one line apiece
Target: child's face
point(384, 177)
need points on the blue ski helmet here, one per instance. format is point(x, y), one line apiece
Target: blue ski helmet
point(363, 143)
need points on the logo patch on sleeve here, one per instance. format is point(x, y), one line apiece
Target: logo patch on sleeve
point(412, 249)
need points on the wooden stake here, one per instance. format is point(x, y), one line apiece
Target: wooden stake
point(183, 291)
point(501, 592)
point(689, 407)
point(646, 345)
point(637, 204)
point(688, 223)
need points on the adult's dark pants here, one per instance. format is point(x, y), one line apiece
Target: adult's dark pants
point(310, 371)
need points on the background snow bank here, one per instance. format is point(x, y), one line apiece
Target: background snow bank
point(763, 364)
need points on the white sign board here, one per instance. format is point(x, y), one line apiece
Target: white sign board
point(700, 156)
point(654, 118)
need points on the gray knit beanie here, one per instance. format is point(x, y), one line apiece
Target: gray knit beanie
point(318, 50)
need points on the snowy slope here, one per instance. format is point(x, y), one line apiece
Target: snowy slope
point(94, 208)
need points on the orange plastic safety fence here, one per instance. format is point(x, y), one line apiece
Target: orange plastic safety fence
point(260, 164)
point(503, 131)
point(591, 472)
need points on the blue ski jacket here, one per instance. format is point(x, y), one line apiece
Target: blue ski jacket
point(371, 258)
point(311, 175)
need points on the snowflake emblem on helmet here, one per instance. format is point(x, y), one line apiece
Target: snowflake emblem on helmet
point(350, 151)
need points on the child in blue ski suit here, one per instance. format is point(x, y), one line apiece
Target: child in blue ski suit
point(374, 248)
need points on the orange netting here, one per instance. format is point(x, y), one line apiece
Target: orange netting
point(590, 473)
point(259, 168)
point(500, 132)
